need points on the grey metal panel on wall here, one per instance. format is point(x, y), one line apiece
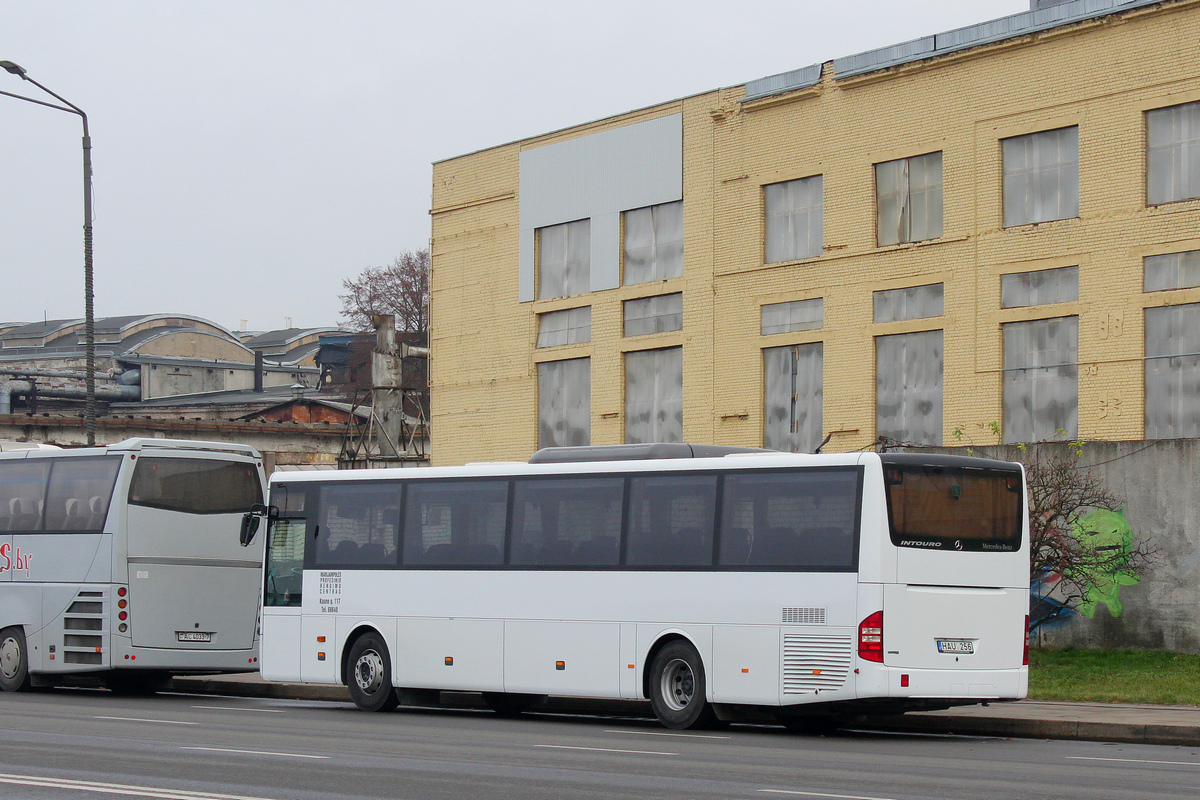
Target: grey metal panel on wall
point(598, 176)
point(1043, 16)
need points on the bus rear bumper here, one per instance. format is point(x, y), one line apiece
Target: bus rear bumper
point(181, 661)
point(956, 686)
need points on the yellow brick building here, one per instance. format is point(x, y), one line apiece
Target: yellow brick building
point(997, 231)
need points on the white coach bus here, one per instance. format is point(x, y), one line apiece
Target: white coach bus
point(702, 579)
point(123, 563)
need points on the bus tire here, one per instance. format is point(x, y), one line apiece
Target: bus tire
point(14, 660)
point(678, 688)
point(509, 704)
point(369, 674)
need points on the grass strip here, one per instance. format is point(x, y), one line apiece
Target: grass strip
point(1114, 676)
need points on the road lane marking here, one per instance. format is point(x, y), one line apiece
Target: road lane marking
point(235, 708)
point(604, 750)
point(824, 794)
point(665, 733)
point(139, 719)
point(1134, 760)
point(119, 789)
point(253, 752)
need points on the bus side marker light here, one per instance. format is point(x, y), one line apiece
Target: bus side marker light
point(320, 656)
point(320, 638)
point(904, 681)
point(816, 672)
point(745, 670)
point(631, 666)
point(449, 661)
point(560, 665)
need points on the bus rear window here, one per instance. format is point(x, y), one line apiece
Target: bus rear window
point(954, 508)
point(195, 485)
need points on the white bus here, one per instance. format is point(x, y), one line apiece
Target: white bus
point(702, 579)
point(123, 563)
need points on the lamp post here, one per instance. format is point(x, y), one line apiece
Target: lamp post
point(89, 322)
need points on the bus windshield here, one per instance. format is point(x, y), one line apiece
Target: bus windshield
point(955, 507)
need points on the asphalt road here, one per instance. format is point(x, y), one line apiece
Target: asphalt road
point(85, 744)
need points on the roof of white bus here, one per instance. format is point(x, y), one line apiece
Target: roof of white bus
point(502, 469)
point(136, 445)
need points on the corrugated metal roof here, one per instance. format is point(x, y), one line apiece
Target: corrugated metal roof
point(942, 43)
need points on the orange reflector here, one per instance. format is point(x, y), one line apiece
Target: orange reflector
point(320, 656)
point(449, 661)
point(560, 665)
point(745, 670)
point(816, 672)
point(122, 603)
point(320, 638)
point(631, 666)
point(52, 656)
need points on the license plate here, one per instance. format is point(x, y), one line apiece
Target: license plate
point(193, 636)
point(956, 645)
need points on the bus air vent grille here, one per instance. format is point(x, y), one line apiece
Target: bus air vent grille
point(804, 616)
point(812, 663)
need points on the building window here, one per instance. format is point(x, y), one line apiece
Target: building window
point(1173, 153)
point(794, 219)
point(911, 302)
point(570, 326)
point(1041, 176)
point(797, 315)
point(565, 403)
point(908, 199)
point(654, 396)
point(654, 243)
point(564, 257)
point(654, 314)
point(792, 394)
point(1041, 380)
point(1040, 287)
point(908, 387)
point(1173, 372)
point(1171, 271)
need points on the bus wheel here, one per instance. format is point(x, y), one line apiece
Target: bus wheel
point(370, 678)
point(14, 660)
point(508, 704)
point(677, 688)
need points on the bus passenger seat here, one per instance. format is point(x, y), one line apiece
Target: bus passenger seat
point(97, 511)
point(373, 553)
point(346, 552)
point(602, 550)
point(775, 546)
point(76, 515)
point(735, 546)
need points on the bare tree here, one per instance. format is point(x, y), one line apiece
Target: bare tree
point(1081, 548)
point(400, 289)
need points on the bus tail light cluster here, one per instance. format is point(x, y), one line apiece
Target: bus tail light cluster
point(870, 638)
point(123, 605)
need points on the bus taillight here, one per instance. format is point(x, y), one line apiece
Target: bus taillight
point(870, 638)
point(1025, 658)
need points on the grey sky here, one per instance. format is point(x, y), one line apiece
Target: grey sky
point(250, 154)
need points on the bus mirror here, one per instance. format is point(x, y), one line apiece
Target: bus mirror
point(249, 528)
point(250, 523)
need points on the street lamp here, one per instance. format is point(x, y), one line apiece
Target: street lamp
point(89, 322)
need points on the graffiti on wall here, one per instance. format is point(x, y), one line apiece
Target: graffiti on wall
point(1106, 537)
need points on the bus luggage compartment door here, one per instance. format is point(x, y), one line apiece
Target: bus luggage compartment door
point(199, 606)
point(953, 627)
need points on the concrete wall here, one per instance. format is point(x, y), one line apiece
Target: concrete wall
point(1160, 484)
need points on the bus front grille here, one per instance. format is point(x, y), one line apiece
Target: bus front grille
point(815, 663)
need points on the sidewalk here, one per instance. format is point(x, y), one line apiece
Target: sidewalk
point(1139, 724)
